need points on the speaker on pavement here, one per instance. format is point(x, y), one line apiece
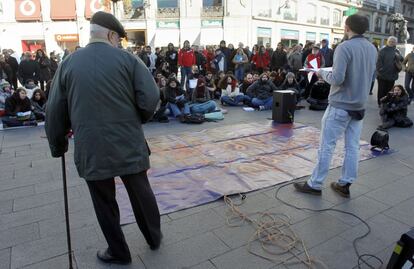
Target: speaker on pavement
point(284, 104)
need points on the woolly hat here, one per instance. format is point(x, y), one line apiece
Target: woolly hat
point(108, 21)
point(4, 84)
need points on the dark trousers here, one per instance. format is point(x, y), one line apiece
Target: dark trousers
point(143, 204)
point(409, 84)
point(384, 86)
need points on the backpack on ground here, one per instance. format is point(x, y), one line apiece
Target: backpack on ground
point(196, 118)
point(214, 116)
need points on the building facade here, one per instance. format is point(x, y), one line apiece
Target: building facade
point(56, 25)
point(407, 9)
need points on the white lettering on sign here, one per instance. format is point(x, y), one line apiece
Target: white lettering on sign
point(31, 7)
point(93, 5)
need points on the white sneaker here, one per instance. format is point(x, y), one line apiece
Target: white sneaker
point(224, 111)
point(261, 108)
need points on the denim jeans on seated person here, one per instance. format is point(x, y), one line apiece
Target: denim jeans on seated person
point(177, 111)
point(203, 108)
point(235, 101)
point(267, 103)
point(335, 123)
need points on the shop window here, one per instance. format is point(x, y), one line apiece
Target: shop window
point(212, 3)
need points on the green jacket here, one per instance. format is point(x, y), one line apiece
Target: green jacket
point(103, 94)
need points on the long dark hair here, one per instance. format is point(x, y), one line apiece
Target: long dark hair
point(200, 89)
point(223, 82)
point(42, 96)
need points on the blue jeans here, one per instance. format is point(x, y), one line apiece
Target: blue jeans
point(234, 101)
point(267, 103)
point(185, 71)
point(176, 111)
point(203, 108)
point(239, 73)
point(409, 79)
point(335, 123)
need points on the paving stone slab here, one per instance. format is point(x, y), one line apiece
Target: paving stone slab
point(44, 199)
point(402, 212)
point(364, 207)
point(6, 206)
point(19, 235)
point(52, 263)
point(204, 265)
point(17, 192)
point(5, 258)
point(33, 215)
point(186, 253)
point(384, 232)
point(377, 178)
point(393, 193)
point(309, 230)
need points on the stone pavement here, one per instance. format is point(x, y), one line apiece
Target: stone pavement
point(32, 228)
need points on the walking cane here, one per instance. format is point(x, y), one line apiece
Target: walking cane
point(65, 194)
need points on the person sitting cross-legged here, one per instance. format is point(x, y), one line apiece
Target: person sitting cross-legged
point(201, 102)
point(177, 102)
point(230, 92)
point(18, 110)
point(262, 92)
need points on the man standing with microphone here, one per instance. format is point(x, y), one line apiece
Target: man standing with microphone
point(104, 94)
point(350, 80)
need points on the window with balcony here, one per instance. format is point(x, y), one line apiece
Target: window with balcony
point(263, 8)
point(378, 24)
point(290, 11)
point(325, 13)
point(212, 8)
point(168, 9)
point(337, 18)
point(134, 9)
point(310, 13)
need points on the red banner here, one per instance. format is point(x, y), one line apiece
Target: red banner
point(28, 10)
point(62, 10)
point(92, 6)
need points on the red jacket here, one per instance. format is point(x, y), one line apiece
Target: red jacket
point(312, 56)
point(186, 58)
point(261, 60)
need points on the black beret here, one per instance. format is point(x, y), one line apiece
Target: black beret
point(108, 21)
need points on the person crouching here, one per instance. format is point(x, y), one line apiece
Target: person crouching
point(393, 110)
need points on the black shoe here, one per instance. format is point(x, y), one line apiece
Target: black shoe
point(106, 257)
point(370, 93)
point(341, 190)
point(304, 187)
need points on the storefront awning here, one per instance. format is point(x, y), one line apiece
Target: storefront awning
point(62, 10)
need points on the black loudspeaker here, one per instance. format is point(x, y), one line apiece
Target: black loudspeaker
point(379, 140)
point(284, 104)
point(403, 254)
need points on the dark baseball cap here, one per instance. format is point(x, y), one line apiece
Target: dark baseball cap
point(108, 21)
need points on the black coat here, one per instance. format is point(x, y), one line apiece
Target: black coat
point(279, 59)
point(394, 107)
point(13, 64)
point(386, 69)
point(7, 70)
point(28, 69)
point(103, 94)
point(172, 93)
point(14, 105)
point(261, 89)
point(53, 67)
point(171, 56)
point(44, 64)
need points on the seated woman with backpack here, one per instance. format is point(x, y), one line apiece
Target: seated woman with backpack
point(230, 92)
point(18, 110)
point(38, 102)
point(393, 110)
point(201, 102)
point(176, 99)
point(262, 93)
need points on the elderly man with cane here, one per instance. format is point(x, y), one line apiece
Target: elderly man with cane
point(105, 94)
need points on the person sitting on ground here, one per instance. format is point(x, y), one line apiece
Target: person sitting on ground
point(176, 99)
point(5, 92)
point(230, 92)
point(38, 102)
point(248, 80)
point(162, 112)
point(291, 83)
point(393, 110)
point(314, 57)
point(200, 98)
point(211, 87)
point(262, 92)
point(18, 110)
point(219, 76)
point(318, 96)
point(164, 69)
point(256, 76)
